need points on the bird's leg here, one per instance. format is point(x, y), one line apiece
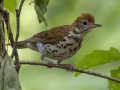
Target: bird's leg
point(40, 46)
point(70, 66)
point(50, 63)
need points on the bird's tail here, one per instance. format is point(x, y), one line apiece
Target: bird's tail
point(20, 44)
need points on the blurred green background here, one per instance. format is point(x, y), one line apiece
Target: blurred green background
point(61, 12)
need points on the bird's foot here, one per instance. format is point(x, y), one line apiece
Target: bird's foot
point(50, 64)
point(70, 67)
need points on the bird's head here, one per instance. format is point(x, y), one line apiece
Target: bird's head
point(85, 23)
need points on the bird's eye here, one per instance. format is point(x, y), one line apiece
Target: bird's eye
point(84, 22)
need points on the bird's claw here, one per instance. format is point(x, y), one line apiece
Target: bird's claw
point(50, 64)
point(70, 67)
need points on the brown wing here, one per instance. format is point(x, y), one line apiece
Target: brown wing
point(52, 35)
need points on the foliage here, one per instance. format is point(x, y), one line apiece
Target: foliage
point(111, 84)
point(98, 57)
point(8, 76)
point(10, 5)
point(40, 8)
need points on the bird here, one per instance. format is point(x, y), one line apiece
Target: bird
point(61, 42)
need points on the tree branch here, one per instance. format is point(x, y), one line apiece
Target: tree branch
point(74, 69)
point(18, 11)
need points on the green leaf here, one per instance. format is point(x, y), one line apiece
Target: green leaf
point(114, 85)
point(8, 76)
point(98, 57)
point(40, 8)
point(10, 5)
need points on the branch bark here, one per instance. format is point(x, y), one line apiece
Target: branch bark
point(22, 62)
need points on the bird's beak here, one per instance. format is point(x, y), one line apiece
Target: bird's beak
point(94, 25)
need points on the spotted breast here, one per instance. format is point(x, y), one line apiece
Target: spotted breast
point(62, 49)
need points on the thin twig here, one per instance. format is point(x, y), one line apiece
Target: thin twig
point(18, 11)
point(74, 69)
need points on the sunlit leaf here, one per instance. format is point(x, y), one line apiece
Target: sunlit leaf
point(10, 5)
point(114, 85)
point(8, 76)
point(40, 8)
point(98, 57)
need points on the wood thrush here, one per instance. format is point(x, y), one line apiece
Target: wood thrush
point(62, 42)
